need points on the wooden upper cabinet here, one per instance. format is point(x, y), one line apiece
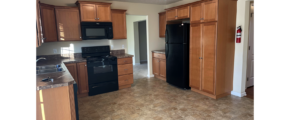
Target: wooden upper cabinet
point(195, 11)
point(209, 37)
point(88, 12)
point(83, 77)
point(119, 24)
point(104, 13)
point(162, 24)
point(48, 23)
point(209, 10)
point(194, 56)
point(68, 23)
point(95, 11)
point(38, 25)
point(183, 12)
point(162, 68)
point(171, 14)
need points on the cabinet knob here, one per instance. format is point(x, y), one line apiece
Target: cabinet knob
point(201, 18)
point(98, 18)
point(43, 38)
point(85, 65)
point(80, 37)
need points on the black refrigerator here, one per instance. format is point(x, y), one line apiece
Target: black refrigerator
point(177, 55)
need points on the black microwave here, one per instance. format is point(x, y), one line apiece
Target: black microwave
point(96, 30)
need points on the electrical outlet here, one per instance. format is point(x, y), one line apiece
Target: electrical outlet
point(55, 51)
point(122, 46)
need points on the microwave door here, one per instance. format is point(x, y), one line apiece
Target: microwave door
point(94, 32)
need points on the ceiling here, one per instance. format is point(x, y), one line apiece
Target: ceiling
point(158, 2)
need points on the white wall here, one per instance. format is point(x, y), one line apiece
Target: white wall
point(241, 49)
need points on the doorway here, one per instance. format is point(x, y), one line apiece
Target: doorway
point(250, 60)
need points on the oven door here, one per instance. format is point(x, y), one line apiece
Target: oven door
point(99, 72)
point(96, 32)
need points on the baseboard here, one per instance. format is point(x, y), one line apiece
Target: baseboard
point(143, 60)
point(150, 75)
point(239, 94)
point(137, 63)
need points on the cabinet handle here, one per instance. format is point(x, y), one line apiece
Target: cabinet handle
point(98, 18)
point(201, 18)
point(43, 38)
point(95, 18)
point(125, 69)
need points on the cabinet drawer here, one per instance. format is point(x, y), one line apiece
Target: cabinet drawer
point(158, 55)
point(125, 69)
point(126, 79)
point(122, 61)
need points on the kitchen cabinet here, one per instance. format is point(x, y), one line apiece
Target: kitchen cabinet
point(162, 24)
point(80, 75)
point(119, 24)
point(68, 23)
point(205, 11)
point(95, 11)
point(83, 85)
point(176, 13)
point(159, 65)
point(48, 23)
point(125, 72)
point(212, 49)
point(38, 24)
point(56, 103)
point(72, 68)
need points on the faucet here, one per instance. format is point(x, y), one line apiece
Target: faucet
point(40, 59)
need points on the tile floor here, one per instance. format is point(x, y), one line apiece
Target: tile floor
point(154, 99)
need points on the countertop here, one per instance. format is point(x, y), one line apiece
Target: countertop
point(61, 78)
point(159, 51)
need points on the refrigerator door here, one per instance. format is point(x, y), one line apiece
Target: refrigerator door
point(177, 65)
point(176, 33)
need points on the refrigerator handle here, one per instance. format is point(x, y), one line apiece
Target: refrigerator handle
point(166, 43)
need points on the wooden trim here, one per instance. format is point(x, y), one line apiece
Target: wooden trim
point(65, 7)
point(204, 93)
point(88, 2)
point(159, 77)
point(188, 4)
point(82, 95)
point(162, 12)
point(124, 86)
point(121, 10)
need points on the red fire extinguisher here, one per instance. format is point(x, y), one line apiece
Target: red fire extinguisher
point(239, 34)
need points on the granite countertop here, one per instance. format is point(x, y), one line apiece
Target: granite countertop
point(61, 78)
point(159, 51)
point(123, 55)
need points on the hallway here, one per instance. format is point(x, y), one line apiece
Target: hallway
point(140, 71)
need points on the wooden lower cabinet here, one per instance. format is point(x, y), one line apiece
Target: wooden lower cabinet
point(55, 104)
point(159, 65)
point(80, 74)
point(125, 72)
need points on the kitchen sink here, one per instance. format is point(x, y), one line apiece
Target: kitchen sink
point(48, 69)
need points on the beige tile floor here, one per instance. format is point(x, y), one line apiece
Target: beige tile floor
point(154, 99)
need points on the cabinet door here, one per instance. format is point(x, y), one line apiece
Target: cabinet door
point(195, 54)
point(171, 14)
point(68, 24)
point(72, 68)
point(162, 66)
point(162, 24)
point(183, 12)
point(195, 16)
point(103, 13)
point(88, 12)
point(119, 24)
point(83, 77)
point(48, 23)
point(155, 66)
point(38, 24)
point(209, 11)
point(208, 64)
